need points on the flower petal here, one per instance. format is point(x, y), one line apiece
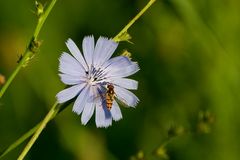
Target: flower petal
point(120, 66)
point(89, 107)
point(100, 118)
point(116, 62)
point(124, 83)
point(107, 122)
point(76, 53)
point(126, 96)
point(116, 112)
point(123, 71)
point(69, 93)
point(71, 66)
point(103, 50)
point(71, 80)
point(81, 100)
point(87, 113)
point(88, 49)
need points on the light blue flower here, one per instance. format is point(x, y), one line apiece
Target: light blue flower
point(89, 74)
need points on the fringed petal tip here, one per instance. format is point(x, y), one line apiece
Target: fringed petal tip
point(102, 126)
point(126, 97)
point(74, 110)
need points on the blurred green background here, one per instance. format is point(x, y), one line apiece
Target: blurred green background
point(188, 52)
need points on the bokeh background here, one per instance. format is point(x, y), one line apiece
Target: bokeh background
point(189, 82)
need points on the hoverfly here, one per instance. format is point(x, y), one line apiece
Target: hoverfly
point(106, 97)
point(109, 96)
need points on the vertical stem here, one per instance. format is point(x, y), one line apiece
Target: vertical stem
point(55, 108)
point(10, 79)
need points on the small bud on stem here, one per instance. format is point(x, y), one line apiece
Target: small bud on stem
point(40, 8)
point(34, 45)
point(126, 54)
point(161, 152)
point(206, 119)
point(125, 36)
point(175, 130)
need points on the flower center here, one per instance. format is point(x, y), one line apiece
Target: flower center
point(95, 75)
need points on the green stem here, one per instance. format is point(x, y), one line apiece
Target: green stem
point(117, 38)
point(42, 18)
point(10, 79)
point(55, 108)
point(28, 51)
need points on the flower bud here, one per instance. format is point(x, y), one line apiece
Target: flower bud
point(126, 54)
point(39, 8)
point(161, 152)
point(175, 130)
point(124, 37)
point(205, 120)
point(34, 45)
point(138, 156)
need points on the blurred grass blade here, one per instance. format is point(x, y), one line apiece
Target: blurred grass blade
point(197, 25)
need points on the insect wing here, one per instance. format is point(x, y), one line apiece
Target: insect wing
point(121, 101)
